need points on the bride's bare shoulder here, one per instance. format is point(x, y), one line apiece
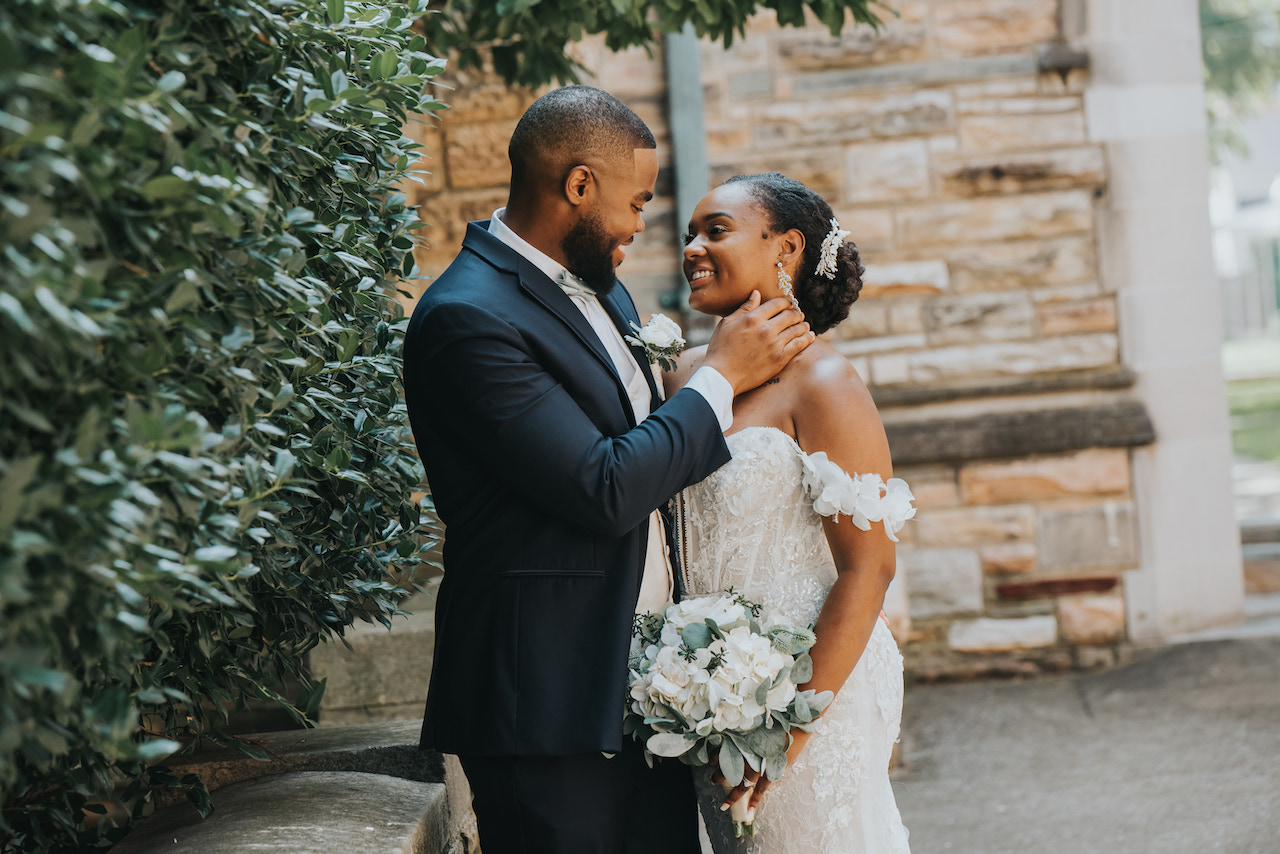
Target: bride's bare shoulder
point(826, 382)
point(686, 363)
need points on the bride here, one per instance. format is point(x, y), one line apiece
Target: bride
point(808, 448)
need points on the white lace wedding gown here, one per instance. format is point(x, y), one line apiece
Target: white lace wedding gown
point(753, 526)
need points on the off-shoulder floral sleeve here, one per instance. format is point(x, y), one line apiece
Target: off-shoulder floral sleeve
point(864, 498)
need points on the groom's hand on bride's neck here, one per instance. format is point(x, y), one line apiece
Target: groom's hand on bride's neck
point(757, 341)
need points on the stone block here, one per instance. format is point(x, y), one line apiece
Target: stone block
point(885, 343)
point(748, 85)
point(942, 581)
point(1092, 619)
point(476, 154)
point(987, 635)
point(886, 171)
point(1078, 292)
point(1095, 471)
point(1022, 172)
point(1039, 215)
point(1020, 132)
point(988, 104)
point(479, 96)
point(820, 171)
point(1007, 435)
point(1004, 87)
point(890, 369)
point(1008, 558)
point(904, 38)
point(972, 526)
point(1103, 536)
point(796, 122)
point(932, 486)
point(384, 675)
point(1007, 359)
point(446, 216)
point(1074, 318)
point(968, 318)
point(906, 316)
point(866, 319)
point(726, 138)
point(430, 177)
point(1003, 266)
point(972, 27)
point(869, 228)
point(905, 278)
point(909, 76)
point(1047, 588)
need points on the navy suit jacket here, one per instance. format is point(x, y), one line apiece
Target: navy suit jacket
point(545, 485)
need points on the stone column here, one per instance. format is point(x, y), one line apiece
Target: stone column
point(1145, 103)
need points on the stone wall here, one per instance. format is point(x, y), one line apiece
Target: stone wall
point(956, 145)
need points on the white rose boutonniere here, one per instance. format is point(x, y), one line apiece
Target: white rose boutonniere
point(661, 340)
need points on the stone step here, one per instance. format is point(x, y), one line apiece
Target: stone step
point(383, 676)
point(310, 812)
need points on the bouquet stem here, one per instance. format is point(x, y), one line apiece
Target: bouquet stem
point(741, 814)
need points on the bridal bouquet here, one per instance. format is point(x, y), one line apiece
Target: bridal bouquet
point(713, 680)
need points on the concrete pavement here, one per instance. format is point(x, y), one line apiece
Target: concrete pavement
point(1176, 752)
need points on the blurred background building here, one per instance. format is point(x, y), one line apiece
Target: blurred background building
point(1042, 326)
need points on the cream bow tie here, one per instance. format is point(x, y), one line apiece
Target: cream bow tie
point(573, 286)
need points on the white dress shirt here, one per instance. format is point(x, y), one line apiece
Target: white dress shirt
point(656, 586)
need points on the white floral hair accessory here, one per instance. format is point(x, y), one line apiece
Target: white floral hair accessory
point(830, 250)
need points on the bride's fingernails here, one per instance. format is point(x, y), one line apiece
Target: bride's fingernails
point(723, 807)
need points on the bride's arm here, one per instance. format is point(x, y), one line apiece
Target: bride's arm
point(686, 364)
point(835, 414)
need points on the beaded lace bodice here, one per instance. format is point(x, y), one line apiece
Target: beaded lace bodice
point(752, 525)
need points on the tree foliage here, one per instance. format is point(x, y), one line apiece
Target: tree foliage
point(527, 38)
point(1240, 40)
point(205, 465)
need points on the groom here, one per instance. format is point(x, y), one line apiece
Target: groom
point(548, 448)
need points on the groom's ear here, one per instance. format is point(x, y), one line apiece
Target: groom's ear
point(578, 184)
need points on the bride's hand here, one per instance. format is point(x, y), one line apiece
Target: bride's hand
point(752, 783)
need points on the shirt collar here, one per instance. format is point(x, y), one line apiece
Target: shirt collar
point(548, 265)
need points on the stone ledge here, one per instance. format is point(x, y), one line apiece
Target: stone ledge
point(1109, 380)
point(302, 813)
point(383, 748)
point(1016, 434)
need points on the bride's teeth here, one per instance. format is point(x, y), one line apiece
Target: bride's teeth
point(701, 274)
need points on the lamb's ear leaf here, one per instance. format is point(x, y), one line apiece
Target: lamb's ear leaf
point(731, 765)
point(802, 670)
point(669, 744)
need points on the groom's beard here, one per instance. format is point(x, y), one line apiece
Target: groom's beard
point(588, 249)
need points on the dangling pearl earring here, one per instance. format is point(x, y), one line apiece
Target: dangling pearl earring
point(784, 284)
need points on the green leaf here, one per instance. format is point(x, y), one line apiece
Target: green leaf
point(669, 744)
point(336, 9)
point(731, 762)
point(166, 187)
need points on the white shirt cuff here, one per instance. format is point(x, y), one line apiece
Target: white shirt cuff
point(717, 391)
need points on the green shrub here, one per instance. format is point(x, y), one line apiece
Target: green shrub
point(205, 465)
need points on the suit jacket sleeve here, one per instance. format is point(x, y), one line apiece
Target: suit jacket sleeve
point(529, 432)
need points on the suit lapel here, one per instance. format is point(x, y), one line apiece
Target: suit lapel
point(623, 313)
point(548, 294)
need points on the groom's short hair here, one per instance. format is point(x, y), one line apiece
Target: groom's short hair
point(573, 126)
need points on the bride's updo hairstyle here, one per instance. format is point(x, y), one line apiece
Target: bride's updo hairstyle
point(788, 204)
